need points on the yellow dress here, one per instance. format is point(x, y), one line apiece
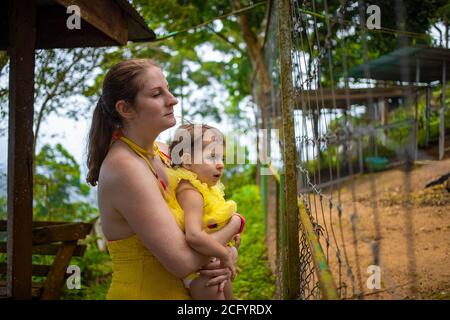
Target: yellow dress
point(216, 210)
point(138, 275)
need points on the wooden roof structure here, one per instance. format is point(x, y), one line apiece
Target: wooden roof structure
point(27, 25)
point(412, 64)
point(104, 23)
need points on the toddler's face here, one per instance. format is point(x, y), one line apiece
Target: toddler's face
point(210, 169)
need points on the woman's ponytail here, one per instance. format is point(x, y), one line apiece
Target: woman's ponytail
point(99, 141)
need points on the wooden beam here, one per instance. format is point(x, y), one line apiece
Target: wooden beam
point(48, 249)
point(38, 270)
point(22, 36)
point(63, 232)
point(55, 279)
point(105, 15)
point(37, 224)
point(313, 98)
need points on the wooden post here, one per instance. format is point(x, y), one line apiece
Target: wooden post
point(427, 115)
point(384, 114)
point(416, 112)
point(360, 154)
point(442, 114)
point(22, 35)
point(289, 148)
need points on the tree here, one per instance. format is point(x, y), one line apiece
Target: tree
point(403, 23)
point(62, 82)
point(59, 194)
point(179, 54)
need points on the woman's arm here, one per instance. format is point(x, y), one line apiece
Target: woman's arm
point(134, 193)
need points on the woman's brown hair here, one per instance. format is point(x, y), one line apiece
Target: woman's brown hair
point(122, 82)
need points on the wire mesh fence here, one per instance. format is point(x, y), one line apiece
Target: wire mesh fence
point(350, 121)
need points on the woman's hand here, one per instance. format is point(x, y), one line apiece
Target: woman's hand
point(234, 254)
point(229, 263)
point(218, 273)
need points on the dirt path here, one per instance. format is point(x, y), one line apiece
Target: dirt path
point(428, 213)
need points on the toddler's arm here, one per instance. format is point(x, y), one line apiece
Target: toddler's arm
point(191, 201)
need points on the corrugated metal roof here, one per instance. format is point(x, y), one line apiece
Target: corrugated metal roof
point(401, 65)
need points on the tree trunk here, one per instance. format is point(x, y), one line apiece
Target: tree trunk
point(256, 54)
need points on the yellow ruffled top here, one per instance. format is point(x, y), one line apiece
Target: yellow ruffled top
point(216, 210)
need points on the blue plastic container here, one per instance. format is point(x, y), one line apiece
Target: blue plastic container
point(376, 163)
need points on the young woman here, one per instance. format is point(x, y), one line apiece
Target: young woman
point(149, 251)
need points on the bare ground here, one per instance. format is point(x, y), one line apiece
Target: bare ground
point(414, 233)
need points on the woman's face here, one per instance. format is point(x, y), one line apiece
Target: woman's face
point(154, 103)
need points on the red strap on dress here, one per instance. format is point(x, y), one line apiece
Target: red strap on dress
point(116, 135)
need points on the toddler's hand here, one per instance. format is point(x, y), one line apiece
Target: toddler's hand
point(237, 240)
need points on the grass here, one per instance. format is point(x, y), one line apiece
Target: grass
point(254, 280)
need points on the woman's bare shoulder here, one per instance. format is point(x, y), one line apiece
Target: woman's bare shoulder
point(120, 163)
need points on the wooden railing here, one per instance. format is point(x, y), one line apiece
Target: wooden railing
point(59, 239)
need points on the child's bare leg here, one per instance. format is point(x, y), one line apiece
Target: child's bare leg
point(199, 290)
point(228, 290)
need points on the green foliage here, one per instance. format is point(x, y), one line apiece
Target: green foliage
point(236, 176)
point(3, 208)
point(59, 193)
point(188, 71)
point(414, 16)
point(434, 116)
point(254, 279)
point(397, 138)
point(61, 75)
point(96, 271)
